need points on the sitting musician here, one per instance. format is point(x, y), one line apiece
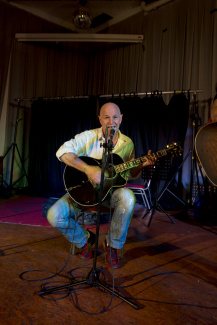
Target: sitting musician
point(122, 200)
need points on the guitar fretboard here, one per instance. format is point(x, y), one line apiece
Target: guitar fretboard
point(136, 162)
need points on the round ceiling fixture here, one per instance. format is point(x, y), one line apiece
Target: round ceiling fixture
point(82, 19)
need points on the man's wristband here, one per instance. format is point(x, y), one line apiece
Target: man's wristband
point(85, 167)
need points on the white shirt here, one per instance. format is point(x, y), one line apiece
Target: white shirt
point(89, 143)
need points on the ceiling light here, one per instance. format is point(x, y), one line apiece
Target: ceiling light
point(74, 37)
point(82, 19)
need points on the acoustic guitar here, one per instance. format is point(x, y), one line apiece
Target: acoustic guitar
point(206, 150)
point(80, 188)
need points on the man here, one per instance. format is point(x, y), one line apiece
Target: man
point(122, 200)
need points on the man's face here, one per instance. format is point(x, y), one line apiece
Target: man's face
point(110, 116)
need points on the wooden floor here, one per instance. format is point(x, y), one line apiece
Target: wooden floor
point(168, 270)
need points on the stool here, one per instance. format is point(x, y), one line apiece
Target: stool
point(93, 210)
point(141, 190)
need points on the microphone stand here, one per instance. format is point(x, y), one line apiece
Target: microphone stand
point(93, 277)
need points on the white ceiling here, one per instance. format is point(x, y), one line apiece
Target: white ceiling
point(104, 13)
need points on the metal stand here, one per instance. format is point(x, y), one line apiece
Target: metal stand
point(156, 204)
point(196, 122)
point(14, 147)
point(93, 277)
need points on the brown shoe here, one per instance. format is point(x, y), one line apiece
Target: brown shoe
point(111, 259)
point(86, 250)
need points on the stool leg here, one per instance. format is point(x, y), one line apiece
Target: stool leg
point(73, 249)
point(76, 218)
point(73, 245)
point(122, 252)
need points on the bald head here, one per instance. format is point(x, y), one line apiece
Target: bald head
point(109, 107)
point(110, 116)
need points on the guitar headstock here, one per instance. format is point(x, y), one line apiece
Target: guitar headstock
point(174, 149)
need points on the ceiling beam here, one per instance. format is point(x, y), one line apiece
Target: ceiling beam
point(155, 5)
point(119, 18)
point(45, 15)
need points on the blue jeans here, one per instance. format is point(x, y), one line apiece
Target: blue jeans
point(60, 215)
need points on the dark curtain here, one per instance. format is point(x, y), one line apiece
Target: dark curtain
point(52, 123)
point(148, 121)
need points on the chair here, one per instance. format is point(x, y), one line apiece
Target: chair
point(142, 190)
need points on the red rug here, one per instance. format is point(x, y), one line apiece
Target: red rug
point(23, 210)
point(26, 210)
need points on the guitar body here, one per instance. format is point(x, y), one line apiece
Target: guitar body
point(82, 191)
point(206, 149)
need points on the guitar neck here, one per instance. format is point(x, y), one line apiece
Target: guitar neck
point(136, 162)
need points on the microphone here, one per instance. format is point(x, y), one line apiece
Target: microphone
point(112, 132)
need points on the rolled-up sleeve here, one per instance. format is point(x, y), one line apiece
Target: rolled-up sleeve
point(65, 148)
point(79, 145)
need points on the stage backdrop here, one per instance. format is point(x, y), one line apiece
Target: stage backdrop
point(148, 121)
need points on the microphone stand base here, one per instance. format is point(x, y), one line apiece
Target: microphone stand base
point(93, 280)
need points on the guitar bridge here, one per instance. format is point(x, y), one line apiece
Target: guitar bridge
point(71, 188)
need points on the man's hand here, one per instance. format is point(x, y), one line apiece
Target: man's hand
point(94, 174)
point(151, 160)
point(136, 171)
